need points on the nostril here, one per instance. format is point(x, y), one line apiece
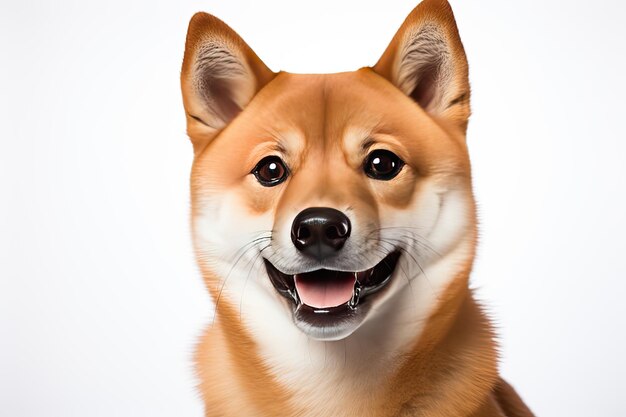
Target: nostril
point(303, 233)
point(333, 232)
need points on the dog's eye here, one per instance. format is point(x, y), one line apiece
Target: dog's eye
point(382, 165)
point(270, 171)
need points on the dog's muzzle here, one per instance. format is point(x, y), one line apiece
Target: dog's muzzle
point(330, 304)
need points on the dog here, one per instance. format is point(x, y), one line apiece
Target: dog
point(335, 228)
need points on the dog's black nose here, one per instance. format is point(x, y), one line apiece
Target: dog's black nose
point(320, 231)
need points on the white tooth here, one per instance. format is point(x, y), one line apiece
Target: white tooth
point(356, 293)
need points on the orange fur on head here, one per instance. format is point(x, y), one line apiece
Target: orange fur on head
point(422, 347)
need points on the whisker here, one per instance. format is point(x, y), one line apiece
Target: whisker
point(408, 229)
point(243, 291)
point(394, 243)
point(242, 251)
point(408, 280)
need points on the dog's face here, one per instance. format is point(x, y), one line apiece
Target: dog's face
point(328, 197)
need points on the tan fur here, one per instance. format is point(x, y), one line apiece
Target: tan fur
point(321, 124)
point(234, 380)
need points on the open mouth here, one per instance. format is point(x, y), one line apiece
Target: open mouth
point(330, 304)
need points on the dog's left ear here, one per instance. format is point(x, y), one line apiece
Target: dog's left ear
point(427, 62)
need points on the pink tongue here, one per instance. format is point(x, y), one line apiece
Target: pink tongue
point(324, 289)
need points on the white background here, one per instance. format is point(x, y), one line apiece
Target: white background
point(100, 300)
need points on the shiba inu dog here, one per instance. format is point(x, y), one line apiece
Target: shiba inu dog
point(335, 227)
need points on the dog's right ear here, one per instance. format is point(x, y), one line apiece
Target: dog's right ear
point(220, 75)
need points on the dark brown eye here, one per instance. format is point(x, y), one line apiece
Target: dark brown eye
point(270, 171)
point(382, 165)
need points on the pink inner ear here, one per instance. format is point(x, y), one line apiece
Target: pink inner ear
point(426, 88)
point(424, 65)
point(219, 72)
point(226, 108)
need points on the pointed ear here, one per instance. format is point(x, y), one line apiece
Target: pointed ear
point(426, 61)
point(220, 73)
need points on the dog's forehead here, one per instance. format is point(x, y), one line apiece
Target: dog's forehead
point(316, 101)
point(327, 108)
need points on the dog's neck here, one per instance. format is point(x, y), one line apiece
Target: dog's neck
point(395, 361)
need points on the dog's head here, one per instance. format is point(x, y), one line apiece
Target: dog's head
point(328, 198)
